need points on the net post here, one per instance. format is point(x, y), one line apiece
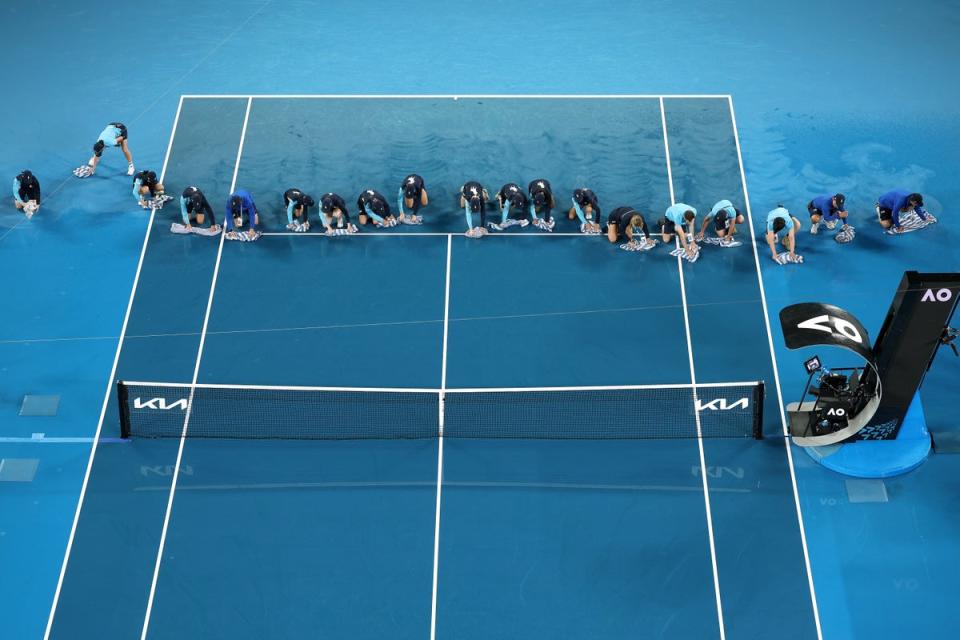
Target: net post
point(123, 407)
point(758, 398)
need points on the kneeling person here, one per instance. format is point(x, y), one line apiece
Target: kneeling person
point(297, 204)
point(782, 227)
point(26, 193)
point(413, 196)
point(586, 207)
point(511, 199)
point(675, 217)
point(725, 218)
point(373, 206)
point(898, 203)
point(541, 202)
point(334, 215)
point(473, 199)
point(628, 223)
point(145, 184)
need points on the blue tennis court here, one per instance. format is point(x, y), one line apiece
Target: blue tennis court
point(484, 537)
point(539, 538)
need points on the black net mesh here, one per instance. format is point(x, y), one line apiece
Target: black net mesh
point(154, 410)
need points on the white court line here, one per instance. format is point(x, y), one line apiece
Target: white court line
point(106, 395)
point(443, 389)
point(452, 96)
point(400, 234)
point(693, 380)
point(776, 379)
point(196, 372)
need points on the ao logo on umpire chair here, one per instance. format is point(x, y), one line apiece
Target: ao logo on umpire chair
point(840, 327)
point(941, 295)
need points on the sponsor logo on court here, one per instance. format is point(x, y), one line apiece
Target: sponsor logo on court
point(940, 295)
point(160, 404)
point(721, 404)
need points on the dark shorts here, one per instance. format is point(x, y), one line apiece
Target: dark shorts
point(885, 214)
point(812, 210)
point(667, 226)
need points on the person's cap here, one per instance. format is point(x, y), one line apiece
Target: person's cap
point(308, 201)
point(516, 199)
point(840, 200)
point(409, 190)
point(916, 199)
point(475, 204)
point(326, 204)
point(540, 198)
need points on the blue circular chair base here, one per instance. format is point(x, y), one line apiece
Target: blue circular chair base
point(880, 458)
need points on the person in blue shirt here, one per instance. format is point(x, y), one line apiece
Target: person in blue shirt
point(586, 207)
point(335, 217)
point(412, 195)
point(827, 209)
point(674, 219)
point(114, 135)
point(473, 199)
point(239, 203)
point(26, 193)
point(297, 204)
point(372, 206)
point(725, 219)
point(542, 202)
point(511, 199)
point(782, 227)
point(627, 222)
point(146, 187)
point(891, 205)
point(195, 208)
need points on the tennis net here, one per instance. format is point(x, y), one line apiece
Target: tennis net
point(165, 410)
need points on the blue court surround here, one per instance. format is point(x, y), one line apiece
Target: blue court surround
point(67, 288)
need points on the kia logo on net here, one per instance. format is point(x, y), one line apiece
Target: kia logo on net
point(159, 404)
point(941, 295)
point(721, 404)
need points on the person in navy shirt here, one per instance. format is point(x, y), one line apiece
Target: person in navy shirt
point(26, 192)
point(586, 207)
point(241, 202)
point(372, 206)
point(511, 199)
point(335, 216)
point(542, 202)
point(413, 196)
point(827, 209)
point(195, 208)
point(627, 222)
point(473, 199)
point(893, 203)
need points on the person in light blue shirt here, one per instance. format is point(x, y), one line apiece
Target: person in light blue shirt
point(894, 203)
point(782, 227)
point(725, 219)
point(412, 195)
point(114, 135)
point(239, 203)
point(26, 193)
point(827, 209)
point(674, 219)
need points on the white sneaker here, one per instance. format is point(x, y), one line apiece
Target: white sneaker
point(130, 169)
point(814, 228)
point(831, 224)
